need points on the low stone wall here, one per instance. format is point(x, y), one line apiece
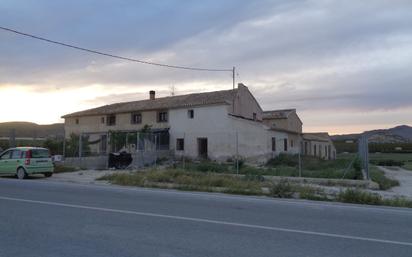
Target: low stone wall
point(94, 162)
point(142, 159)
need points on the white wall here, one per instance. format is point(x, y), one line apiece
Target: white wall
point(223, 132)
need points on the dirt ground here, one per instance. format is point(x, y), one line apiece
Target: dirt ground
point(405, 180)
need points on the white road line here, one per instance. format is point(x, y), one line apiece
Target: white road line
point(156, 215)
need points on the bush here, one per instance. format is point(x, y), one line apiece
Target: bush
point(358, 196)
point(282, 189)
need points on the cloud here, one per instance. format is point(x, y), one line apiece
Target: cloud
point(312, 55)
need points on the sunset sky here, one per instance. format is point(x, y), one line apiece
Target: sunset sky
point(346, 66)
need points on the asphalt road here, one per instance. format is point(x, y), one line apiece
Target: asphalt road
point(44, 218)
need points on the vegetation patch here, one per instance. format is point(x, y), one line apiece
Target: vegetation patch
point(362, 197)
point(189, 181)
point(379, 177)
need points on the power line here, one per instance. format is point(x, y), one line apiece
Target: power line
point(112, 55)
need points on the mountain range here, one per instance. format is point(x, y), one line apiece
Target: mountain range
point(398, 134)
point(31, 130)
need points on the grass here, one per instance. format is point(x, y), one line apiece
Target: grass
point(408, 166)
point(246, 185)
point(283, 165)
point(379, 177)
point(286, 165)
point(362, 197)
point(189, 181)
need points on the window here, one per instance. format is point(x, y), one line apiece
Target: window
point(314, 150)
point(111, 120)
point(5, 156)
point(136, 118)
point(285, 144)
point(162, 116)
point(190, 114)
point(274, 144)
point(77, 121)
point(102, 120)
point(254, 116)
point(16, 154)
point(180, 144)
point(291, 143)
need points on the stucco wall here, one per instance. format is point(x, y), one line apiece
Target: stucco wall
point(245, 104)
point(123, 122)
point(223, 132)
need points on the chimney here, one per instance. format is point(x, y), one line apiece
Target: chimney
point(152, 94)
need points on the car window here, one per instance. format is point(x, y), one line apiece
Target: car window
point(16, 154)
point(39, 153)
point(5, 156)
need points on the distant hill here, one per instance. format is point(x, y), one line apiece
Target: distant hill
point(31, 130)
point(399, 134)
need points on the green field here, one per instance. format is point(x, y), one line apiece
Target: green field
point(404, 158)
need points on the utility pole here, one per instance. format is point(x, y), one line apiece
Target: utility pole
point(233, 76)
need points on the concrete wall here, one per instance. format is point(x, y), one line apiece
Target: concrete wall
point(95, 162)
point(245, 104)
point(223, 132)
point(140, 159)
point(291, 123)
point(322, 149)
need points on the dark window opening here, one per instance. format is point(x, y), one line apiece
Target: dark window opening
point(102, 120)
point(111, 120)
point(180, 144)
point(285, 144)
point(162, 140)
point(191, 114)
point(103, 143)
point(136, 118)
point(162, 117)
point(291, 143)
point(254, 116)
point(274, 144)
point(202, 147)
point(77, 121)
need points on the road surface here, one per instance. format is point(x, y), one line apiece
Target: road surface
point(52, 219)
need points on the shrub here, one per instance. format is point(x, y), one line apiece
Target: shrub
point(282, 189)
point(357, 196)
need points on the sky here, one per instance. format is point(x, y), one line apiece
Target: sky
point(346, 66)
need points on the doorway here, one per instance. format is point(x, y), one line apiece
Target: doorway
point(202, 147)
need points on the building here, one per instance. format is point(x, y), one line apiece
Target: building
point(318, 144)
point(286, 121)
point(217, 125)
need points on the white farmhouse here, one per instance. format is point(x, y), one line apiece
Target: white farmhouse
point(217, 125)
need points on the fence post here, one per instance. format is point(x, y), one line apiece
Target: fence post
point(80, 145)
point(300, 165)
point(184, 150)
point(237, 153)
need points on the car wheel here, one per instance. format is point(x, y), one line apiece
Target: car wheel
point(48, 174)
point(21, 173)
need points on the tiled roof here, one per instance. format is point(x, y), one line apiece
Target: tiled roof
point(278, 114)
point(320, 136)
point(170, 102)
